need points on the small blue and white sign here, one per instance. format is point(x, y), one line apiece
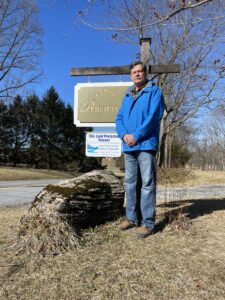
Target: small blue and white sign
point(103, 144)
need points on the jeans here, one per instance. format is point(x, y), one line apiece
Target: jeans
point(140, 187)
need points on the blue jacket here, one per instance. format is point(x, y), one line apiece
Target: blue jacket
point(141, 116)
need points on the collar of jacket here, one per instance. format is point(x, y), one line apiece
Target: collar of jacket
point(147, 88)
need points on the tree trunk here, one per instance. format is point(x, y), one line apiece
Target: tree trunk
point(163, 147)
point(162, 151)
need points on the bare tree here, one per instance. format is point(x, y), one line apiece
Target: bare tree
point(190, 33)
point(209, 149)
point(198, 48)
point(116, 8)
point(20, 46)
point(216, 132)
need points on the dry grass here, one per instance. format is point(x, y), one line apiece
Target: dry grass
point(173, 176)
point(183, 177)
point(165, 176)
point(44, 233)
point(185, 259)
point(206, 177)
point(186, 177)
point(9, 173)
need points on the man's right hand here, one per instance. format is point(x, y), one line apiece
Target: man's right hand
point(129, 140)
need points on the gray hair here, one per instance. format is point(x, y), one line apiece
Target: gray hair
point(135, 63)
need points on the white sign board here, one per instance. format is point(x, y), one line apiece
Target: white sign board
point(103, 144)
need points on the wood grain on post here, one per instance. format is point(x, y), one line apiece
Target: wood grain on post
point(145, 49)
point(122, 70)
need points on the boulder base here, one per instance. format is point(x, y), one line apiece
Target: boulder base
point(87, 200)
point(52, 224)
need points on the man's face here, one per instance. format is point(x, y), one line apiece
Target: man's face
point(138, 76)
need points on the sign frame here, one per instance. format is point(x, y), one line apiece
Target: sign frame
point(77, 122)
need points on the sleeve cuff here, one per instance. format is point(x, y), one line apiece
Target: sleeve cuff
point(136, 137)
point(121, 135)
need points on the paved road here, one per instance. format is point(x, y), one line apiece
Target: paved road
point(23, 192)
point(195, 192)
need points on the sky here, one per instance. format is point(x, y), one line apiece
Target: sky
point(68, 45)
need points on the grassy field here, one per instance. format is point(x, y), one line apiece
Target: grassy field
point(181, 177)
point(184, 259)
point(9, 173)
point(169, 176)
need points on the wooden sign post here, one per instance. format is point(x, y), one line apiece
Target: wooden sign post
point(90, 102)
point(121, 70)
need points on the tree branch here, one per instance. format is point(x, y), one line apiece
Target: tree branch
point(163, 19)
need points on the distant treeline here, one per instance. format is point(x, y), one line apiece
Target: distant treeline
point(40, 133)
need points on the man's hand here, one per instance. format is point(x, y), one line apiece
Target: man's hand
point(129, 140)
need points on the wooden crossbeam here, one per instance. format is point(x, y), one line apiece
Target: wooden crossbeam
point(120, 70)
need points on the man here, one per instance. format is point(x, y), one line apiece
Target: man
point(138, 126)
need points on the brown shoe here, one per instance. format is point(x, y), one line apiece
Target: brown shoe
point(126, 225)
point(143, 232)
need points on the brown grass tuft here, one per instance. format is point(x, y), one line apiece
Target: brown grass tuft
point(173, 176)
point(44, 233)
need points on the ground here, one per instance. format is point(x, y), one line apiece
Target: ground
point(165, 176)
point(10, 173)
point(184, 259)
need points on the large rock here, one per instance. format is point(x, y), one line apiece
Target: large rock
point(52, 224)
point(87, 200)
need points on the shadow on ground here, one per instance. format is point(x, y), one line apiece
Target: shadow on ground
point(191, 209)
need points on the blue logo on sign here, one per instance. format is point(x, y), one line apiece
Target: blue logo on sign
point(91, 149)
